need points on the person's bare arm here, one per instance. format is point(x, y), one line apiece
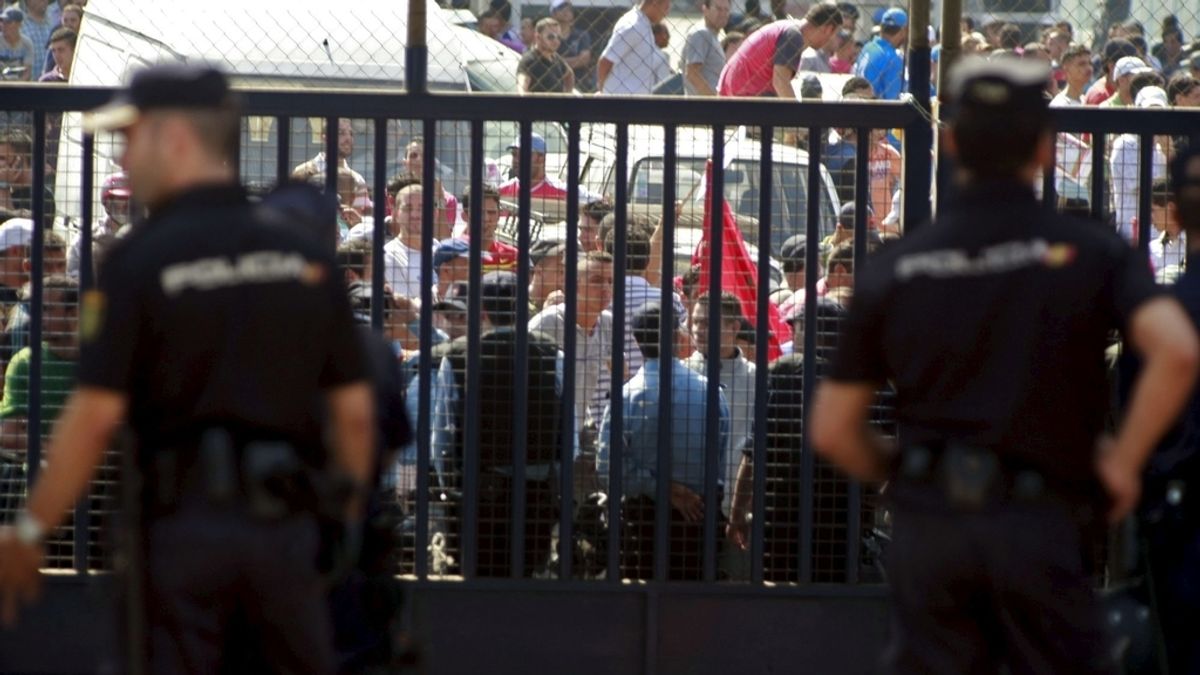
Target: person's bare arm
point(569, 81)
point(1163, 336)
point(352, 414)
point(781, 81)
point(523, 83)
point(581, 60)
point(695, 77)
point(603, 68)
point(80, 437)
point(738, 530)
point(840, 432)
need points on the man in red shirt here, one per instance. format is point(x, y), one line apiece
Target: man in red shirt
point(768, 59)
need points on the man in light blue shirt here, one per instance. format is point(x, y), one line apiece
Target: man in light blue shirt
point(688, 446)
point(881, 62)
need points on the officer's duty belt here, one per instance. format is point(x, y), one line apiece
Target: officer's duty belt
point(262, 479)
point(971, 477)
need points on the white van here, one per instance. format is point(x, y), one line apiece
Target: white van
point(278, 43)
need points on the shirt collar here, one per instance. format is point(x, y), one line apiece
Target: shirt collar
point(215, 194)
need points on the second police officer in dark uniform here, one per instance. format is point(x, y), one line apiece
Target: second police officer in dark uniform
point(220, 336)
point(991, 323)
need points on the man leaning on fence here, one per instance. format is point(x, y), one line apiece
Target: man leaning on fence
point(498, 422)
point(641, 446)
point(1001, 480)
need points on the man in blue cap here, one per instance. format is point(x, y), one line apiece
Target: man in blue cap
point(215, 332)
point(881, 61)
point(1004, 476)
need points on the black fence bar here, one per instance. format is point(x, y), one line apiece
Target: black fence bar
point(758, 505)
point(813, 236)
point(1049, 195)
point(1099, 171)
point(473, 406)
point(712, 360)
point(520, 442)
point(666, 349)
point(332, 161)
point(283, 148)
point(1145, 173)
point(87, 181)
point(425, 365)
point(570, 434)
point(861, 195)
point(616, 443)
point(470, 460)
point(379, 227)
point(37, 259)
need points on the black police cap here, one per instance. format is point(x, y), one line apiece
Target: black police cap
point(1004, 89)
point(166, 86)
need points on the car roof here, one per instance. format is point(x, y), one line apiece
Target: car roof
point(690, 143)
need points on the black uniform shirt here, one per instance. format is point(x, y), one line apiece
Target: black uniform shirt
point(992, 324)
point(210, 315)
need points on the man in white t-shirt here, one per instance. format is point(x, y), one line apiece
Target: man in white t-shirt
point(1077, 66)
point(402, 255)
point(625, 67)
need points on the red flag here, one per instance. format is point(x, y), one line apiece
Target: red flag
point(739, 272)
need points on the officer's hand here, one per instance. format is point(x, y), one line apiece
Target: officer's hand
point(1122, 482)
point(687, 502)
point(20, 581)
point(738, 530)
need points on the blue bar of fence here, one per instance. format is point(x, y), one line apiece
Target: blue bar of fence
point(570, 434)
point(470, 449)
point(1099, 171)
point(87, 182)
point(425, 338)
point(36, 257)
point(861, 195)
point(813, 235)
point(918, 139)
point(379, 218)
point(616, 455)
point(1145, 166)
point(1049, 195)
point(332, 160)
point(521, 361)
point(713, 451)
point(666, 348)
point(283, 149)
point(763, 326)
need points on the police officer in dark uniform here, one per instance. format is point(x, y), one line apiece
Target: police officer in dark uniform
point(226, 341)
point(1001, 402)
point(1170, 509)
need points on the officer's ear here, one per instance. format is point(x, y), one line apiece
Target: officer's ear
point(949, 142)
point(1044, 154)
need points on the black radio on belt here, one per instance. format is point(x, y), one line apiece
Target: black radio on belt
point(970, 476)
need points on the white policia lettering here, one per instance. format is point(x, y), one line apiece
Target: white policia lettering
point(206, 274)
point(997, 259)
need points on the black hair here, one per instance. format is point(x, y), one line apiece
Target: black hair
point(488, 192)
point(1142, 80)
point(637, 244)
point(68, 288)
point(62, 34)
point(823, 14)
point(353, 256)
point(647, 327)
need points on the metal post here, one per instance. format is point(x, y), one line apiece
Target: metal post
point(1099, 172)
point(616, 454)
point(332, 160)
point(1145, 178)
point(425, 364)
point(38, 206)
point(758, 505)
point(712, 360)
point(416, 53)
point(951, 38)
point(811, 262)
point(666, 348)
point(918, 137)
point(283, 149)
point(520, 441)
point(86, 191)
point(470, 458)
point(570, 434)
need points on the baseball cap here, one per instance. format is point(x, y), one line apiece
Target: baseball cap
point(455, 300)
point(12, 14)
point(999, 90)
point(894, 18)
point(545, 248)
point(16, 232)
point(829, 313)
point(115, 186)
point(166, 86)
point(1151, 97)
point(793, 250)
point(536, 143)
point(1127, 65)
point(559, 4)
point(449, 249)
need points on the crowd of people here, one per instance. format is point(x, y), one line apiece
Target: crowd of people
point(728, 54)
